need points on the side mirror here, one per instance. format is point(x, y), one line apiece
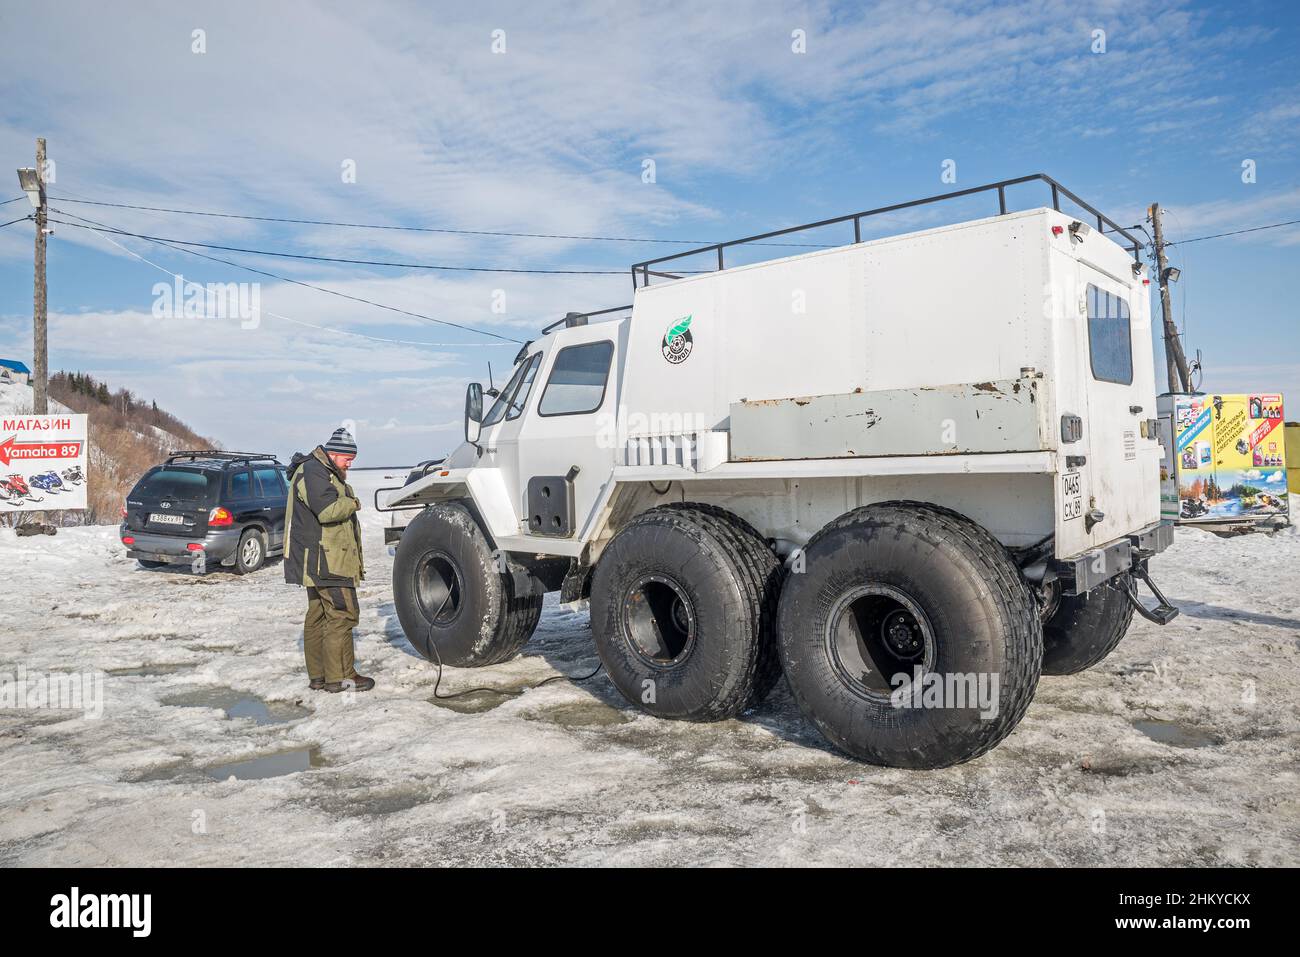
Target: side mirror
point(473, 412)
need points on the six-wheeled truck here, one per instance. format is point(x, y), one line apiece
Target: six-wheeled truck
point(911, 474)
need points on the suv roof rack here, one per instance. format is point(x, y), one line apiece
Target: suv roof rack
point(641, 272)
point(194, 455)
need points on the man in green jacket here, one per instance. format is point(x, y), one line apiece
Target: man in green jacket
point(323, 552)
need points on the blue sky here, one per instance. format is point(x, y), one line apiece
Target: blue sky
point(551, 136)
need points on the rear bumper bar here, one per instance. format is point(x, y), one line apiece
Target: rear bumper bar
point(1083, 572)
point(218, 545)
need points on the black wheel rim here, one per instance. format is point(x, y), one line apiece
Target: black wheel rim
point(877, 635)
point(659, 621)
point(439, 588)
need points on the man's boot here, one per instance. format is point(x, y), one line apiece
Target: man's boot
point(355, 683)
point(316, 684)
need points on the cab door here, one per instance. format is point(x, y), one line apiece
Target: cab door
point(1123, 468)
point(569, 438)
point(499, 437)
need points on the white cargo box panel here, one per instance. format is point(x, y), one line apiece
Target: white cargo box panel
point(1000, 416)
point(861, 317)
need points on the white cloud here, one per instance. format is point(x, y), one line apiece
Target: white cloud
point(548, 137)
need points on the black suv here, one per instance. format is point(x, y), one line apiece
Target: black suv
point(228, 505)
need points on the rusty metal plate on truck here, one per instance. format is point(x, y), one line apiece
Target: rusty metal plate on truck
point(1005, 415)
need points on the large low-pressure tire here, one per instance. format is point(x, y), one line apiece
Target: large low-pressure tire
point(1086, 628)
point(890, 587)
point(681, 604)
point(763, 573)
point(455, 604)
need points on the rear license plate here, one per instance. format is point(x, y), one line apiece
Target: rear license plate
point(1071, 495)
point(167, 519)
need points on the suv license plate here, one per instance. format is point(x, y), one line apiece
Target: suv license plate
point(167, 519)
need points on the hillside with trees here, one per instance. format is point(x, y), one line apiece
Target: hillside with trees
point(128, 435)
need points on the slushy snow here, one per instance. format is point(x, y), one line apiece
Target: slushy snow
point(1181, 748)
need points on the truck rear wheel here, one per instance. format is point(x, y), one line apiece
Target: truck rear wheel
point(678, 613)
point(1085, 629)
point(455, 604)
point(891, 588)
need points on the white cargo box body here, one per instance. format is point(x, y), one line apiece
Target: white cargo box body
point(972, 309)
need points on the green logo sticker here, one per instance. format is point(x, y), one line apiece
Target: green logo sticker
point(678, 341)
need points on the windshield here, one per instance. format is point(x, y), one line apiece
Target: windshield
point(184, 485)
point(515, 394)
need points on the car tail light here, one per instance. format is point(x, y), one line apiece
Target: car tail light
point(195, 546)
point(219, 516)
point(128, 540)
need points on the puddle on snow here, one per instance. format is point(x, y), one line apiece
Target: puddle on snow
point(151, 671)
point(238, 704)
point(582, 714)
point(268, 765)
point(271, 765)
point(1174, 734)
point(476, 702)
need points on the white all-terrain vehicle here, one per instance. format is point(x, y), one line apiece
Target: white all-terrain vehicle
point(911, 473)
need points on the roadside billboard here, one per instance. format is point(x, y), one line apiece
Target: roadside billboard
point(1229, 457)
point(42, 462)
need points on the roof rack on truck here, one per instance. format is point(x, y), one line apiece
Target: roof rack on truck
point(642, 273)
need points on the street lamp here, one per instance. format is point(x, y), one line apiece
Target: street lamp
point(1172, 273)
point(31, 184)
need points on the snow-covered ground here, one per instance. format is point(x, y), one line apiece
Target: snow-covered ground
point(1181, 748)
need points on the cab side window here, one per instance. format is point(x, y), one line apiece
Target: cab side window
point(578, 379)
point(1110, 345)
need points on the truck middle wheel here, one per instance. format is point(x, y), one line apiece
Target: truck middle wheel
point(455, 603)
point(1086, 628)
point(892, 588)
point(683, 605)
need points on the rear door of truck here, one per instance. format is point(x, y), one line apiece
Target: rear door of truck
point(1122, 471)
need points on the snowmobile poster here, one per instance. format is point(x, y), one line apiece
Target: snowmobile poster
point(42, 462)
point(1230, 457)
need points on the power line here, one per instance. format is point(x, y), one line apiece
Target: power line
point(420, 229)
point(297, 282)
point(20, 219)
point(1235, 232)
point(350, 262)
point(276, 315)
point(14, 200)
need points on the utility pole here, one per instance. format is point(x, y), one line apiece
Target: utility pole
point(40, 353)
point(1176, 363)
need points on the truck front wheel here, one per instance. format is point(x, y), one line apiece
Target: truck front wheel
point(909, 639)
point(1085, 629)
point(455, 603)
point(678, 614)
